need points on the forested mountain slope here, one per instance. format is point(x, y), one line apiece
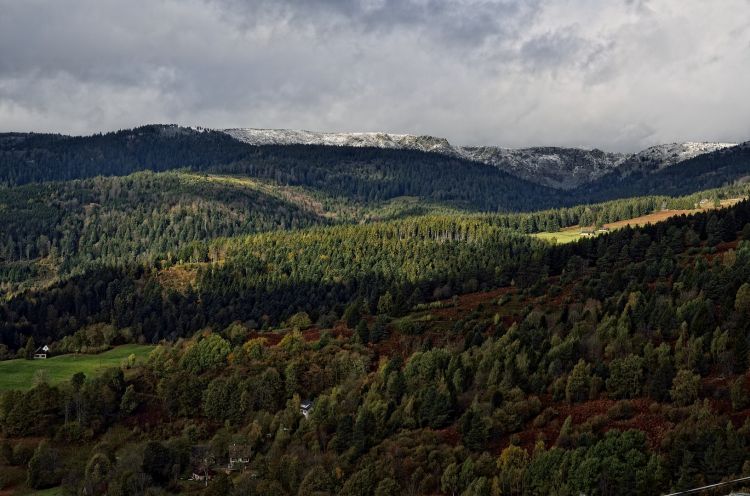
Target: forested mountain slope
point(615, 365)
point(369, 174)
point(709, 170)
point(357, 174)
point(268, 277)
point(372, 174)
point(557, 167)
point(55, 230)
point(67, 227)
point(26, 158)
point(658, 157)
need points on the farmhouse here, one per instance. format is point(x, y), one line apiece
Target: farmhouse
point(41, 352)
point(202, 473)
point(201, 461)
point(239, 456)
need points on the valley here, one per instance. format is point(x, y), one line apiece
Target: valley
point(374, 248)
point(371, 318)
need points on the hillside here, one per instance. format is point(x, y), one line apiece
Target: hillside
point(710, 170)
point(554, 167)
point(562, 168)
point(599, 227)
point(21, 374)
point(267, 277)
point(368, 168)
point(621, 358)
point(359, 174)
point(57, 229)
point(659, 157)
point(28, 157)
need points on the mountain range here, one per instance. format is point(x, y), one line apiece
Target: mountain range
point(556, 167)
point(369, 314)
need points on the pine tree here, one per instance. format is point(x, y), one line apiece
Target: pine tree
point(363, 333)
point(30, 349)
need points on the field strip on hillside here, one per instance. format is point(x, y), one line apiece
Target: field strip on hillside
point(21, 373)
point(574, 233)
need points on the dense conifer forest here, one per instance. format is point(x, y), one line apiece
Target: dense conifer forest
point(710, 170)
point(617, 363)
point(366, 322)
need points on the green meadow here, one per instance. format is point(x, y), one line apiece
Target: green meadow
point(20, 374)
point(563, 236)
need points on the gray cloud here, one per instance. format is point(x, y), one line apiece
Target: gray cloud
point(617, 75)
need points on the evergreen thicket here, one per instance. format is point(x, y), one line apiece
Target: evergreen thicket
point(443, 349)
point(600, 369)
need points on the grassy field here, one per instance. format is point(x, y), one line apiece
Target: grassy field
point(55, 491)
point(570, 234)
point(566, 235)
point(19, 374)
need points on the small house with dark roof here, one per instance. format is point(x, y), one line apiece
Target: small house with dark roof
point(305, 407)
point(41, 352)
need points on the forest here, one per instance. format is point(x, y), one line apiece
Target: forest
point(165, 277)
point(361, 321)
point(710, 170)
point(615, 365)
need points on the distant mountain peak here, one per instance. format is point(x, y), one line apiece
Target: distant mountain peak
point(557, 167)
point(656, 158)
point(255, 136)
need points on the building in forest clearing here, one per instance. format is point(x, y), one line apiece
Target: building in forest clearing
point(41, 352)
point(305, 407)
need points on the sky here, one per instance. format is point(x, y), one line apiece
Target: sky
point(618, 75)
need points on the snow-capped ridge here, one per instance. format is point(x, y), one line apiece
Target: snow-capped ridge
point(256, 136)
point(670, 154)
point(556, 167)
point(563, 168)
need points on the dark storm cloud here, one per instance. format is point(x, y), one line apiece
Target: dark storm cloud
point(617, 74)
point(463, 21)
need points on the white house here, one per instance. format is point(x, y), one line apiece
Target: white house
point(41, 353)
point(202, 473)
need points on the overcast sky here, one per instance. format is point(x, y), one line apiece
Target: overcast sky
point(614, 74)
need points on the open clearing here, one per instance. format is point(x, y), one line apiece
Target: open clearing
point(570, 234)
point(19, 374)
point(567, 235)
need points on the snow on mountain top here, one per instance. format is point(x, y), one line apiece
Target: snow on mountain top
point(674, 153)
point(556, 167)
point(379, 140)
point(564, 168)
